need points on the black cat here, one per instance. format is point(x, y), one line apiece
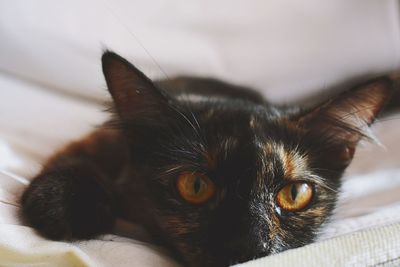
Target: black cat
point(212, 170)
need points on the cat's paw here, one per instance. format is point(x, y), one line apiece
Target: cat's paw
point(67, 205)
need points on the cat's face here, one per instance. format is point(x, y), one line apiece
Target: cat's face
point(249, 164)
point(229, 181)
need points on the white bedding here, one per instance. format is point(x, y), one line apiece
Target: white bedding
point(51, 89)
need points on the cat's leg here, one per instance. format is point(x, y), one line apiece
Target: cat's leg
point(72, 198)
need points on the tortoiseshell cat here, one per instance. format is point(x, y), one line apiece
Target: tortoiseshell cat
point(211, 170)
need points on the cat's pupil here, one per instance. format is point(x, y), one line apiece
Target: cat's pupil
point(293, 192)
point(197, 185)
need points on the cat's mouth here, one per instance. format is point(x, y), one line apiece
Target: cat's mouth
point(218, 258)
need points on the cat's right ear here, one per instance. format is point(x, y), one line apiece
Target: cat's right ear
point(137, 100)
point(344, 120)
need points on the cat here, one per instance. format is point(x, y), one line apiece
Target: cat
point(213, 171)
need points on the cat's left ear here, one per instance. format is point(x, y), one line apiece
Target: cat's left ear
point(344, 120)
point(137, 100)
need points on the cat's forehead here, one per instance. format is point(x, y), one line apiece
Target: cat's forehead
point(246, 110)
point(261, 139)
point(237, 117)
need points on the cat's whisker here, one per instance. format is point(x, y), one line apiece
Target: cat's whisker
point(195, 120)
point(186, 119)
point(320, 181)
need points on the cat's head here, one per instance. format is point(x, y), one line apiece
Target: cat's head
point(229, 181)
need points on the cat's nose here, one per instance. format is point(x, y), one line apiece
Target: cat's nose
point(249, 248)
point(247, 255)
point(246, 237)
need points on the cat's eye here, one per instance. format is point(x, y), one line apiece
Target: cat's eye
point(295, 196)
point(195, 188)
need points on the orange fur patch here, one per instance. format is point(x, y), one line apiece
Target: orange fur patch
point(211, 160)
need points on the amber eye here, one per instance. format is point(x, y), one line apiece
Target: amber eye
point(195, 188)
point(295, 196)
